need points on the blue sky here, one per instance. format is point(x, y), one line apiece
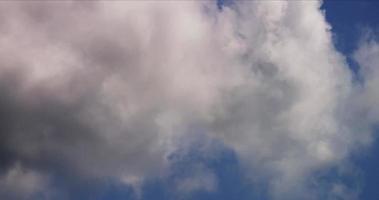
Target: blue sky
point(350, 20)
point(191, 100)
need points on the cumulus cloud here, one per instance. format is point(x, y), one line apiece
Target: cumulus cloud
point(106, 90)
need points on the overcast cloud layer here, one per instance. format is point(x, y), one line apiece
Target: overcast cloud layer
point(107, 91)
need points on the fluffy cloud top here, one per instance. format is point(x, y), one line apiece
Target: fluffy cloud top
point(108, 90)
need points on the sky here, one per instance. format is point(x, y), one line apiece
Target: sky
point(352, 20)
point(205, 100)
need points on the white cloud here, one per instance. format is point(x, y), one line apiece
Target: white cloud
point(104, 89)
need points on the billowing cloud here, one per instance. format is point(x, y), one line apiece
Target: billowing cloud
point(108, 90)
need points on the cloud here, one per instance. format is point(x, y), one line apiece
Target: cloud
point(199, 179)
point(288, 118)
point(21, 183)
point(367, 57)
point(90, 92)
point(108, 90)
